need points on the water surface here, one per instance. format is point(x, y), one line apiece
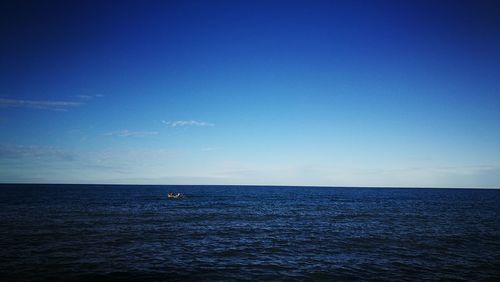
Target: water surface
point(109, 232)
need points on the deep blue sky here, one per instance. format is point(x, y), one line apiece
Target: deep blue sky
point(355, 93)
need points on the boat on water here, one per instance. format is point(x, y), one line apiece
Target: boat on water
point(174, 196)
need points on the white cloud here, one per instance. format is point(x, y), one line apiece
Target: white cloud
point(128, 133)
point(37, 104)
point(84, 97)
point(186, 123)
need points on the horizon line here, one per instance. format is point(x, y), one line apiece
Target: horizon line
point(256, 185)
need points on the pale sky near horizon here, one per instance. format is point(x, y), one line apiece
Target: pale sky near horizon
point(331, 93)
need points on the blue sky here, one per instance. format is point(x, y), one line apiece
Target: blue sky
point(334, 93)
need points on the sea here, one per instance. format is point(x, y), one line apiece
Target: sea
point(247, 233)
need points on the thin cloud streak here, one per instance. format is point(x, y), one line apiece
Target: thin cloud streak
point(179, 123)
point(34, 152)
point(89, 97)
point(128, 133)
point(37, 104)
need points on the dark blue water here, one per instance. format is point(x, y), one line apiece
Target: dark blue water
point(83, 232)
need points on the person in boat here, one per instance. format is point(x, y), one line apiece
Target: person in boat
point(172, 195)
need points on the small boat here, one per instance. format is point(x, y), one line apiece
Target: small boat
point(174, 196)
